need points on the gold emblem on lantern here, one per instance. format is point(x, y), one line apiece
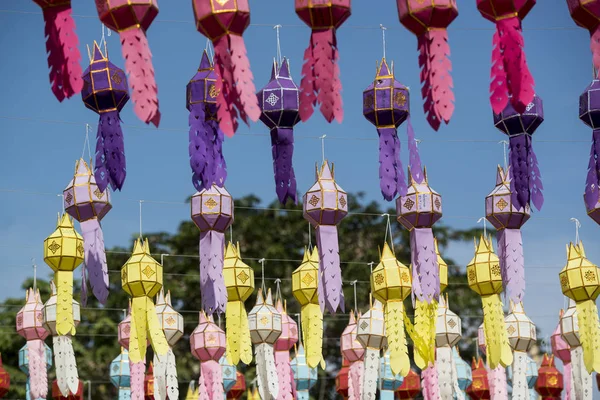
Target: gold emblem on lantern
point(437, 203)
point(590, 276)
point(99, 194)
point(80, 249)
point(116, 78)
point(69, 198)
point(564, 281)
point(400, 98)
point(307, 279)
point(405, 277)
point(314, 200)
point(451, 323)
point(477, 384)
point(213, 91)
point(471, 275)
point(553, 380)
point(379, 279)
point(211, 339)
point(264, 320)
point(53, 247)
point(364, 325)
point(368, 101)
point(409, 204)
point(511, 329)
point(243, 276)
point(221, 3)
point(148, 271)
point(170, 320)
point(343, 201)
point(501, 204)
point(211, 203)
point(496, 270)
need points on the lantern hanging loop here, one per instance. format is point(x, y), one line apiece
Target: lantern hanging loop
point(209, 50)
point(484, 225)
point(33, 264)
point(383, 29)
point(278, 290)
point(388, 229)
point(86, 143)
point(262, 274)
point(353, 283)
point(279, 56)
point(577, 226)
point(309, 238)
point(504, 144)
point(103, 41)
point(141, 201)
point(323, 147)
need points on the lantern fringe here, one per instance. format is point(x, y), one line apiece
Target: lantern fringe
point(520, 389)
point(425, 316)
point(419, 346)
point(430, 384)
point(568, 380)
point(391, 172)
point(95, 259)
point(284, 375)
point(355, 379)
point(64, 303)
point(137, 370)
point(425, 267)
point(212, 283)
point(202, 391)
point(584, 385)
point(282, 148)
point(65, 363)
point(63, 52)
point(396, 337)
point(144, 326)
point(577, 371)
point(526, 182)
point(371, 374)
point(458, 393)
point(592, 183)
point(498, 84)
point(330, 284)
point(138, 62)
point(443, 366)
point(239, 346)
point(589, 334)
point(512, 264)
point(312, 333)
point(266, 373)
point(111, 165)
point(498, 349)
point(199, 148)
point(37, 369)
point(213, 379)
point(172, 382)
point(498, 383)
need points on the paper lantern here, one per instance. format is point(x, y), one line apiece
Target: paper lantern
point(428, 21)
point(586, 15)
point(24, 358)
point(67, 377)
point(212, 212)
point(511, 78)
point(525, 178)
point(342, 379)
point(284, 343)
point(305, 288)
point(207, 343)
point(532, 372)
point(239, 281)
point(448, 331)
point(165, 370)
point(149, 383)
point(105, 92)
point(391, 284)
point(30, 326)
point(4, 380)
point(279, 103)
point(579, 281)
point(58, 395)
point(265, 327)
point(480, 387)
point(228, 372)
point(463, 370)
point(321, 72)
point(560, 348)
point(131, 19)
point(388, 381)
point(521, 337)
point(353, 351)
point(304, 376)
point(417, 212)
point(84, 201)
point(325, 204)
point(549, 384)
point(386, 104)
point(205, 136)
point(372, 335)
point(589, 113)
point(124, 329)
point(410, 388)
point(224, 22)
point(484, 277)
point(238, 389)
point(61, 47)
point(443, 267)
point(120, 375)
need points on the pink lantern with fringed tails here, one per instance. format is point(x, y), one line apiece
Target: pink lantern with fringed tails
point(207, 343)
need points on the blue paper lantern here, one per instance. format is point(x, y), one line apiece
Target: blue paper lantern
point(229, 374)
point(463, 371)
point(531, 373)
point(24, 358)
point(120, 375)
point(305, 377)
point(388, 382)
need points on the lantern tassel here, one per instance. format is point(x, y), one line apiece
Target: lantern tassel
point(63, 53)
point(592, 183)
point(172, 382)
point(520, 390)
point(239, 345)
point(519, 80)
point(284, 375)
point(137, 370)
point(396, 338)
point(95, 258)
point(589, 333)
point(312, 333)
point(160, 377)
point(203, 393)
point(64, 303)
point(37, 369)
point(458, 393)
point(498, 384)
point(416, 171)
point(212, 284)
point(213, 379)
point(577, 370)
point(266, 372)
point(425, 315)
point(138, 63)
point(329, 268)
point(371, 374)
point(111, 165)
point(499, 83)
point(419, 346)
point(568, 379)
point(391, 172)
point(65, 365)
point(355, 379)
point(308, 97)
point(498, 350)
point(425, 266)
point(219, 168)
point(199, 149)
point(430, 384)
point(525, 181)
point(512, 264)
point(443, 366)
point(282, 146)
point(144, 326)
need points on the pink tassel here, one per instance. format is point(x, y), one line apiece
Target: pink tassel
point(567, 375)
point(499, 84)
point(138, 63)
point(235, 82)
point(137, 371)
point(595, 47)
point(440, 79)
point(37, 369)
point(284, 375)
point(63, 54)
point(213, 379)
point(498, 384)
point(355, 378)
point(520, 82)
point(431, 387)
point(308, 98)
point(202, 392)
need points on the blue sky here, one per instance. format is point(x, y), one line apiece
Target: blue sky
point(39, 154)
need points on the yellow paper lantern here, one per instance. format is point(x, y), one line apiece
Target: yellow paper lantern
point(63, 252)
point(485, 279)
point(443, 266)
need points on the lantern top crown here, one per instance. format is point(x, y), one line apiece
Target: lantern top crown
point(325, 173)
point(384, 71)
point(96, 54)
point(82, 168)
point(205, 63)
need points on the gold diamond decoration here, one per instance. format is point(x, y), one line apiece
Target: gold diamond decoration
point(501, 204)
point(243, 276)
point(477, 384)
point(40, 318)
point(511, 329)
point(405, 277)
point(69, 198)
point(116, 368)
point(314, 200)
point(409, 204)
point(80, 249)
point(53, 247)
point(99, 194)
point(364, 325)
point(211, 203)
point(343, 201)
point(451, 323)
point(170, 321)
point(307, 279)
point(211, 339)
point(495, 270)
point(590, 276)
point(564, 281)
point(399, 99)
point(379, 279)
point(148, 271)
point(123, 274)
point(228, 371)
point(437, 203)
point(116, 78)
point(472, 276)
point(264, 320)
point(127, 329)
point(19, 320)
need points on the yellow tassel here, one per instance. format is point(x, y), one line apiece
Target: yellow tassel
point(396, 338)
point(589, 334)
point(233, 330)
point(312, 332)
point(156, 334)
point(245, 342)
point(144, 321)
point(418, 342)
point(64, 303)
point(496, 338)
point(425, 316)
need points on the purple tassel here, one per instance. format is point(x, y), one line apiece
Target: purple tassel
point(95, 258)
point(329, 265)
point(282, 144)
point(512, 264)
point(212, 284)
point(199, 159)
point(593, 177)
point(526, 180)
point(535, 181)
point(110, 152)
point(219, 167)
point(389, 163)
point(413, 155)
point(425, 265)
point(84, 288)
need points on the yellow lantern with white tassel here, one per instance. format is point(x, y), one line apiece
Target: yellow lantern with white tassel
point(485, 279)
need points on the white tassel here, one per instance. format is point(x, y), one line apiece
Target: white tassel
point(443, 366)
point(59, 366)
point(266, 372)
point(271, 371)
point(458, 393)
point(371, 375)
point(172, 383)
point(66, 346)
point(520, 390)
point(160, 372)
point(582, 384)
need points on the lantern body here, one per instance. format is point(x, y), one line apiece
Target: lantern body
point(521, 331)
point(569, 326)
point(391, 279)
point(352, 349)
point(228, 372)
point(120, 15)
point(500, 210)
point(463, 370)
point(589, 105)
point(24, 358)
point(494, 10)
point(305, 376)
point(63, 249)
point(120, 375)
point(30, 318)
point(279, 99)
point(141, 275)
point(448, 328)
point(579, 278)
point(216, 18)
point(585, 13)
point(83, 200)
point(411, 386)
point(239, 388)
point(305, 279)
point(387, 379)
point(550, 381)
point(264, 321)
point(483, 272)
point(238, 276)
point(418, 16)
point(212, 209)
point(481, 339)
point(202, 88)
point(207, 341)
point(149, 384)
point(421, 207)
point(170, 321)
point(510, 122)
point(371, 327)
point(57, 395)
point(341, 379)
point(323, 14)
point(560, 348)
point(49, 313)
point(386, 101)
point(480, 388)
point(325, 203)
point(104, 90)
point(443, 268)
point(289, 331)
point(124, 330)
point(4, 380)
point(531, 372)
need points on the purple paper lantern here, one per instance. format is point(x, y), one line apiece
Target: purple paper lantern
point(205, 137)
point(526, 180)
point(212, 212)
point(589, 113)
point(279, 102)
point(105, 92)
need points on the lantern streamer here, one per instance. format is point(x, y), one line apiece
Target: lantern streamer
point(37, 369)
point(525, 174)
point(66, 364)
point(111, 166)
point(396, 338)
point(520, 389)
point(568, 375)
point(457, 391)
point(203, 393)
point(64, 304)
point(371, 374)
point(138, 370)
point(282, 144)
point(212, 284)
point(430, 384)
point(355, 379)
point(312, 332)
point(144, 326)
point(425, 267)
point(589, 333)
point(239, 346)
point(498, 383)
point(413, 155)
point(496, 339)
point(267, 382)
point(592, 183)
point(443, 366)
point(331, 273)
point(512, 263)
point(391, 172)
point(425, 314)
point(95, 258)
point(284, 375)
point(213, 379)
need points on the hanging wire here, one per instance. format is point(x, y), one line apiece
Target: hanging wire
point(279, 57)
point(577, 226)
point(371, 265)
point(141, 201)
point(162, 258)
point(278, 289)
point(388, 229)
point(504, 144)
point(86, 143)
point(383, 29)
point(209, 50)
point(309, 238)
point(353, 283)
point(34, 274)
point(262, 271)
point(103, 37)
point(323, 147)
point(484, 226)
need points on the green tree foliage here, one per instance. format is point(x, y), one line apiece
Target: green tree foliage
point(274, 233)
